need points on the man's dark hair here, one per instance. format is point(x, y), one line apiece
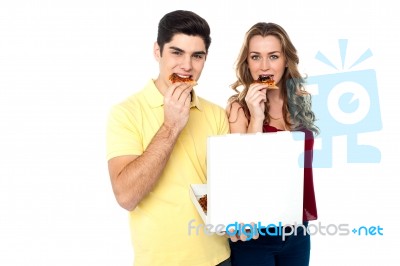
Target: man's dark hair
point(182, 21)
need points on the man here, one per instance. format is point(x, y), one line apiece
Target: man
point(156, 147)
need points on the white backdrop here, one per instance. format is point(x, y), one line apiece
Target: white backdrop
point(64, 63)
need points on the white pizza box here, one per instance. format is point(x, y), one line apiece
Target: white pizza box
point(253, 178)
point(196, 191)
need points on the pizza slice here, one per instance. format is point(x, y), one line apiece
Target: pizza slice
point(176, 78)
point(267, 79)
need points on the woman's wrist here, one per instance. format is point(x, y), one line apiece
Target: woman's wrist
point(257, 120)
point(255, 125)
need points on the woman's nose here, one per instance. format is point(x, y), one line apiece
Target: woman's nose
point(265, 64)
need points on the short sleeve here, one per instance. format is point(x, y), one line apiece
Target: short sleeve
point(123, 136)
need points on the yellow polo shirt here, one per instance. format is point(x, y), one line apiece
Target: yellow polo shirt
point(160, 223)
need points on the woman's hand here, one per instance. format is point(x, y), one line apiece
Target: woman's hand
point(255, 99)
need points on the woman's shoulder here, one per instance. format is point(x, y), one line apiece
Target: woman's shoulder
point(236, 115)
point(233, 106)
point(234, 109)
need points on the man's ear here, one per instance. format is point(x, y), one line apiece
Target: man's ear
point(157, 51)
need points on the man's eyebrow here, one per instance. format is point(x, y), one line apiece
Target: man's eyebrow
point(177, 49)
point(182, 51)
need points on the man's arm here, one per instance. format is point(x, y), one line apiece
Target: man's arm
point(133, 177)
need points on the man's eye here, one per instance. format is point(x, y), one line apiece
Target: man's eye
point(176, 52)
point(198, 56)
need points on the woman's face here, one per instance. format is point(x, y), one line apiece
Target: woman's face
point(265, 57)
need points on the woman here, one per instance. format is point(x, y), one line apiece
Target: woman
point(267, 50)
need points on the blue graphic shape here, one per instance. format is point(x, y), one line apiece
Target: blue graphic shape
point(367, 54)
point(343, 50)
point(324, 59)
point(330, 126)
point(348, 104)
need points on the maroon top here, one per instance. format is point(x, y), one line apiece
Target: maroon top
point(309, 206)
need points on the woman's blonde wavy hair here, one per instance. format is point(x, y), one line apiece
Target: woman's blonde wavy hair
point(297, 101)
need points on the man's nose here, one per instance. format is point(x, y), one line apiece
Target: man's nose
point(186, 63)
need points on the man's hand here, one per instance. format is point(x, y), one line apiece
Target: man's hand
point(243, 234)
point(176, 105)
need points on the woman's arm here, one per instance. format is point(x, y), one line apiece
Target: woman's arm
point(238, 122)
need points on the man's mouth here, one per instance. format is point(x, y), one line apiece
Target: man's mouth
point(184, 76)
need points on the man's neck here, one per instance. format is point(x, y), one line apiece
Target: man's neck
point(160, 85)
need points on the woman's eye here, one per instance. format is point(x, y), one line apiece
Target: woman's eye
point(274, 57)
point(255, 57)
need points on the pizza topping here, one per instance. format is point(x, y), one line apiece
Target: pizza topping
point(177, 78)
point(267, 79)
point(203, 203)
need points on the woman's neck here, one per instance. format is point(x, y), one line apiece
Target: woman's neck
point(274, 96)
point(275, 111)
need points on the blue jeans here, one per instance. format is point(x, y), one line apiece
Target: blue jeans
point(272, 250)
point(226, 262)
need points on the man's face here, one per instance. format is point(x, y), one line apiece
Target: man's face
point(184, 55)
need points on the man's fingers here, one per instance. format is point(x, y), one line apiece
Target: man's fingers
point(243, 237)
point(170, 90)
point(188, 100)
point(256, 235)
point(244, 233)
point(182, 92)
point(232, 236)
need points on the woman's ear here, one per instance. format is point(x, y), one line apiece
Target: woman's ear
point(157, 51)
